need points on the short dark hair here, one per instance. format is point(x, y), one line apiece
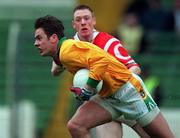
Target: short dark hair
point(82, 7)
point(51, 25)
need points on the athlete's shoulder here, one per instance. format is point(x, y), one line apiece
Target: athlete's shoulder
point(83, 45)
point(69, 41)
point(104, 35)
point(67, 44)
point(103, 39)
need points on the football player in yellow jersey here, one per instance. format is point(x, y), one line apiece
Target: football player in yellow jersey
point(123, 94)
point(84, 23)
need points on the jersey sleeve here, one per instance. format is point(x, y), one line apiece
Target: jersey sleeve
point(114, 47)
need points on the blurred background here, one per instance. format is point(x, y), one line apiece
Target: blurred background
point(34, 104)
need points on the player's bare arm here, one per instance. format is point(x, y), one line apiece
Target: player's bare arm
point(56, 69)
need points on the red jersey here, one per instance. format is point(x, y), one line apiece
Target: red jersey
point(113, 46)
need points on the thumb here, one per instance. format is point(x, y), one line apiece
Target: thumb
point(75, 90)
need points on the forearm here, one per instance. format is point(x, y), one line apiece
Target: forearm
point(56, 69)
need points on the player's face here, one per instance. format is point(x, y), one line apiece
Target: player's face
point(43, 43)
point(84, 23)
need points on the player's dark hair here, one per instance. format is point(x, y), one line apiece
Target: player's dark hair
point(82, 7)
point(51, 25)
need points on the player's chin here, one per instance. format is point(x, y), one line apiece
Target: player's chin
point(85, 32)
point(85, 35)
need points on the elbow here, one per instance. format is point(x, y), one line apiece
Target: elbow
point(135, 69)
point(54, 73)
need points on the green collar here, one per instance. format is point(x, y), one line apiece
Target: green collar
point(56, 59)
point(61, 41)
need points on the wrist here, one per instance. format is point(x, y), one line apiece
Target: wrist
point(86, 94)
point(92, 83)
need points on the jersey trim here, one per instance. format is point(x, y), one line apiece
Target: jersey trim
point(61, 41)
point(93, 83)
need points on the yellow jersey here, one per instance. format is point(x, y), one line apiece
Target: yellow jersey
point(75, 55)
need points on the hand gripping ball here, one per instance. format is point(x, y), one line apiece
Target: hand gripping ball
point(81, 77)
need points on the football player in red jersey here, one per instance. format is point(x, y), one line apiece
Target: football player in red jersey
point(84, 23)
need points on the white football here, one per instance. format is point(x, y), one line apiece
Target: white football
point(81, 77)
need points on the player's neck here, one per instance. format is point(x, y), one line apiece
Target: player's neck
point(58, 47)
point(86, 38)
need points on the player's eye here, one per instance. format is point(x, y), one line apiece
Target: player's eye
point(77, 19)
point(38, 38)
point(87, 18)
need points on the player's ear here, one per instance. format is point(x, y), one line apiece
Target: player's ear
point(54, 38)
point(94, 20)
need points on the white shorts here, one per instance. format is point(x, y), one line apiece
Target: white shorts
point(129, 106)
